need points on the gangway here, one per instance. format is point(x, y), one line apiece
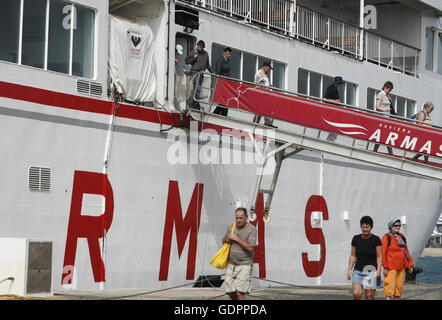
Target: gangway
point(304, 123)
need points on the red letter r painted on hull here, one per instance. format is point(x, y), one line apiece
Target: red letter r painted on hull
point(89, 227)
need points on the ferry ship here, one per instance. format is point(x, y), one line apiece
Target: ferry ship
point(93, 98)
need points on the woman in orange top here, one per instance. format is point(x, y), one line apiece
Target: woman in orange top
point(395, 259)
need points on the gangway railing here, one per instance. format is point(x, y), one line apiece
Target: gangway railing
point(303, 123)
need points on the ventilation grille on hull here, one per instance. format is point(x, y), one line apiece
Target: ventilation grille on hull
point(95, 89)
point(40, 179)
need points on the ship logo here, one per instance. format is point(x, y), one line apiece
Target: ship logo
point(135, 41)
point(347, 126)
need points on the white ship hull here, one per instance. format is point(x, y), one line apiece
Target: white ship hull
point(120, 177)
point(140, 175)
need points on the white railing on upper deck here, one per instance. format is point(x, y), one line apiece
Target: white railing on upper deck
point(391, 54)
point(331, 33)
point(309, 25)
point(272, 14)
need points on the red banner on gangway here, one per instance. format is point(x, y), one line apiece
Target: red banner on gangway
point(353, 123)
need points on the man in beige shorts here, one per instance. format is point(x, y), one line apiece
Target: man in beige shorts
point(239, 270)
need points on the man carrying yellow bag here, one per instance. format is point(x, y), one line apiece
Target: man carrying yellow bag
point(243, 240)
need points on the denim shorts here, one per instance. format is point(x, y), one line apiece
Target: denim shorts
point(366, 279)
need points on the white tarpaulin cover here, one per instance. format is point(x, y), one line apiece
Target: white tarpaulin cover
point(131, 59)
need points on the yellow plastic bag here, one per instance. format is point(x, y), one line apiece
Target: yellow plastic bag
point(221, 259)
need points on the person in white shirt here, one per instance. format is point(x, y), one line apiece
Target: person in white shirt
point(384, 104)
point(262, 78)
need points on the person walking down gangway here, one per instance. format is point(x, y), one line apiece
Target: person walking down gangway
point(384, 104)
point(262, 78)
point(424, 117)
point(332, 94)
point(365, 261)
point(222, 68)
point(395, 259)
point(199, 59)
point(238, 277)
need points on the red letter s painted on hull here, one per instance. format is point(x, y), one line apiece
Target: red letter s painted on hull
point(315, 236)
point(89, 227)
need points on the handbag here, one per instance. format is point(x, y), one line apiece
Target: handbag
point(221, 259)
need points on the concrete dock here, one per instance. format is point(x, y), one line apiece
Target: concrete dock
point(332, 292)
point(338, 292)
point(335, 292)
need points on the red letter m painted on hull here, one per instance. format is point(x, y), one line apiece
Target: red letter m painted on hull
point(190, 224)
point(90, 227)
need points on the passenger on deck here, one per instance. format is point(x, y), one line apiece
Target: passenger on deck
point(332, 94)
point(395, 258)
point(261, 78)
point(384, 105)
point(424, 116)
point(365, 262)
point(222, 68)
point(199, 59)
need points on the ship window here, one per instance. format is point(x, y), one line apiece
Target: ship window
point(9, 29)
point(235, 64)
point(400, 106)
point(244, 66)
point(326, 82)
point(61, 42)
point(83, 47)
point(429, 50)
point(315, 85)
point(248, 67)
point(371, 98)
point(439, 53)
point(351, 94)
point(411, 108)
point(303, 81)
point(34, 33)
point(278, 75)
point(60, 20)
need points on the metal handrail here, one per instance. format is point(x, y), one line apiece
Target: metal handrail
point(214, 78)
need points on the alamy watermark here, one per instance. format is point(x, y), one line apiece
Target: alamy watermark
point(208, 147)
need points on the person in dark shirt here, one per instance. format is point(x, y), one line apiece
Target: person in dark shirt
point(199, 59)
point(365, 262)
point(222, 68)
point(332, 92)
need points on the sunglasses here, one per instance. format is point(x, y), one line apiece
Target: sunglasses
point(397, 225)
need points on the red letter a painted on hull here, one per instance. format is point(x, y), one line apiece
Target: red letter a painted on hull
point(190, 224)
point(315, 236)
point(89, 227)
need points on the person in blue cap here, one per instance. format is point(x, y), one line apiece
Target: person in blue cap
point(332, 92)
